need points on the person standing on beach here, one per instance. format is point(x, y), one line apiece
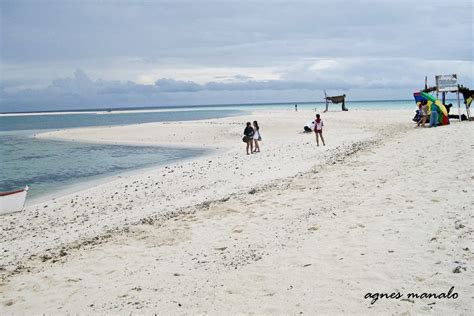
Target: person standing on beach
point(248, 136)
point(318, 129)
point(434, 115)
point(256, 136)
point(296, 107)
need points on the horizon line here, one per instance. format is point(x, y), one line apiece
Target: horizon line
point(105, 109)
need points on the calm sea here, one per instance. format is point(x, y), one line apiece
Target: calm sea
point(49, 166)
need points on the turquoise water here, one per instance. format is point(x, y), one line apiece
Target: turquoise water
point(355, 105)
point(399, 104)
point(48, 166)
point(52, 121)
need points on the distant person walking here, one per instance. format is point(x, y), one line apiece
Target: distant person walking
point(248, 137)
point(296, 107)
point(318, 129)
point(256, 136)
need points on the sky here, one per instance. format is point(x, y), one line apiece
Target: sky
point(99, 54)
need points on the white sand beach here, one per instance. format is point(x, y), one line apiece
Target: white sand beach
point(384, 207)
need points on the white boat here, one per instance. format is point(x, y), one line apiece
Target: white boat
point(13, 201)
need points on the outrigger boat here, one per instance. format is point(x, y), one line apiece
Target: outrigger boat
point(13, 201)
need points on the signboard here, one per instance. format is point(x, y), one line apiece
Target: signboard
point(447, 83)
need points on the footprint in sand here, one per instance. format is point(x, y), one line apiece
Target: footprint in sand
point(358, 225)
point(8, 302)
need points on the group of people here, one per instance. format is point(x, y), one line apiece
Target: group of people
point(252, 137)
point(422, 114)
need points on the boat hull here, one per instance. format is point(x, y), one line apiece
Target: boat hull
point(11, 202)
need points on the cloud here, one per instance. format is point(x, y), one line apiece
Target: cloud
point(171, 85)
point(301, 83)
point(173, 52)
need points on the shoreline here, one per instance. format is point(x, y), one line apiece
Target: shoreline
point(272, 220)
point(83, 185)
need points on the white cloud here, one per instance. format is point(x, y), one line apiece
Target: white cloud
point(203, 75)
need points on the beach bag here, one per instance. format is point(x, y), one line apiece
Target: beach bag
point(244, 139)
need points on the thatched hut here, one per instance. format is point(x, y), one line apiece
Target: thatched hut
point(335, 99)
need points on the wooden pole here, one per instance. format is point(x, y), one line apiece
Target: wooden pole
point(326, 99)
point(459, 106)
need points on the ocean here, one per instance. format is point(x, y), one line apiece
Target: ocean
point(49, 166)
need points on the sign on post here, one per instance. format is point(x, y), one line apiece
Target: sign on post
point(447, 83)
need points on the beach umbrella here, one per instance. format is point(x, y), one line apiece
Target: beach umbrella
point(437, 102)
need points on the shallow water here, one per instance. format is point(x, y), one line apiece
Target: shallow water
point(49, 165)
point(52, 121)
